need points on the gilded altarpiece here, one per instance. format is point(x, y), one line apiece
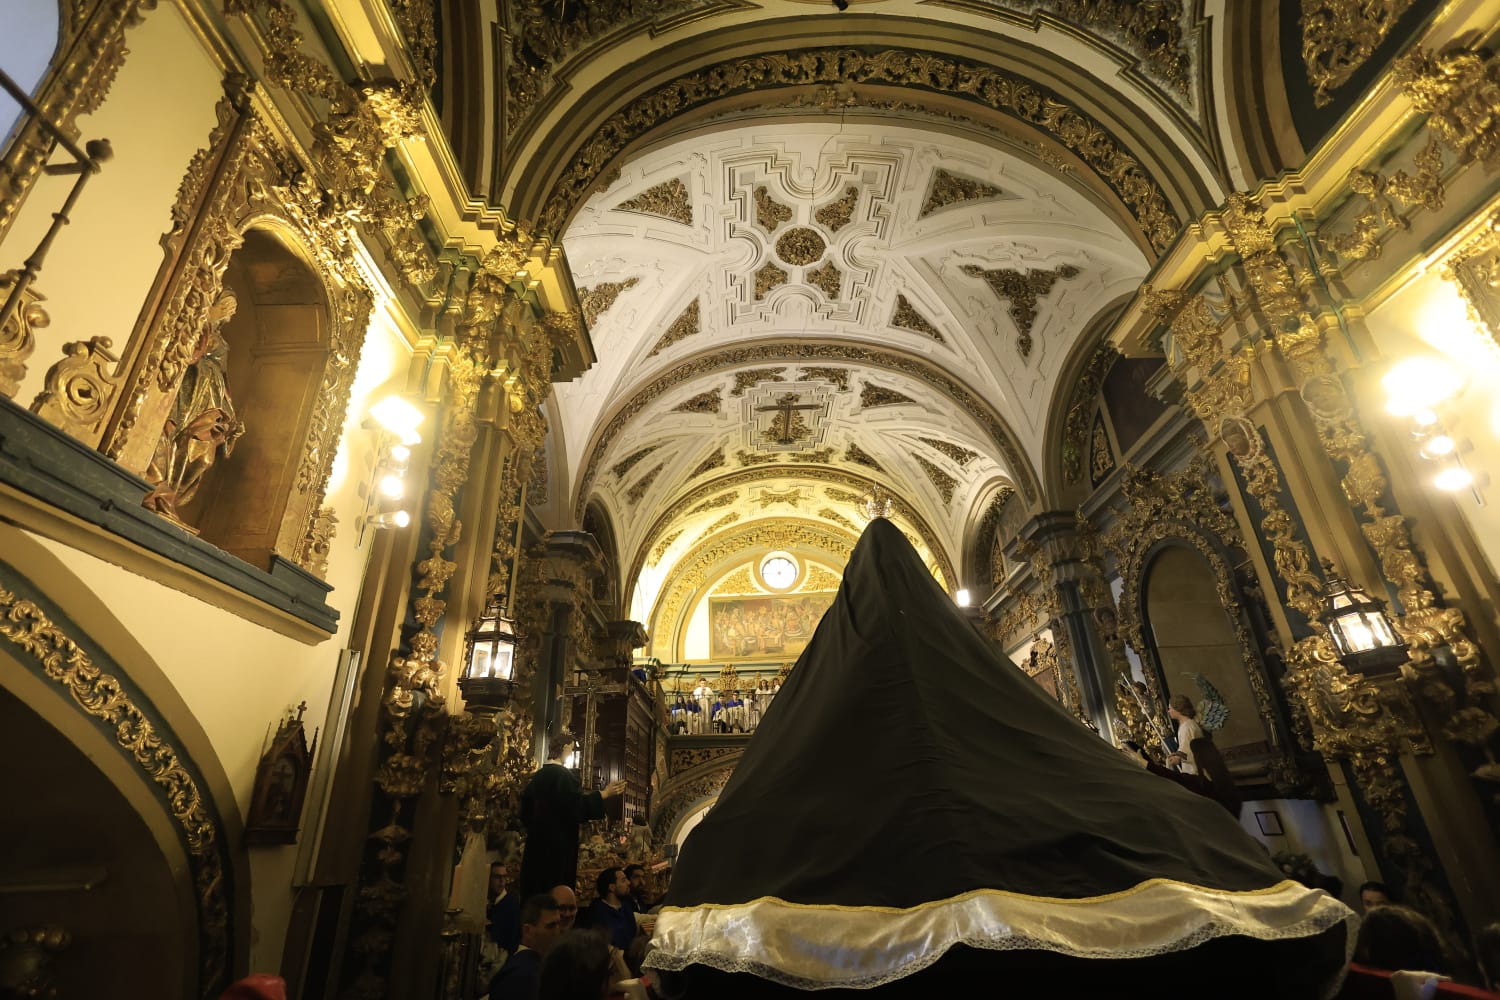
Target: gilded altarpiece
point(246, 178)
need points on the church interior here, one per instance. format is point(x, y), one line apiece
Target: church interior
point(390, 387)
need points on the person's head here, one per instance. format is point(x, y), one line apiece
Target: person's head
point(612, 885)
point(577, 968)
point(562, 744)
point(636, 876)
point(567, 905)
point(1181, 707)
point(1373, 894)
point(541, 924)
point(1396, 938)
point(1487, 952)
point(498, 876)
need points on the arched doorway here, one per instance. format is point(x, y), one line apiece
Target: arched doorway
point(1192, 636)
point(78, 856)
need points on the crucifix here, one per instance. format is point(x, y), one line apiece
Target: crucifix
point(787, 426)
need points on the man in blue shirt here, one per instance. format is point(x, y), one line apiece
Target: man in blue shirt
point(540, 929)
point(610, 914)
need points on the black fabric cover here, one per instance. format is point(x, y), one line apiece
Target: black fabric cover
point(905, 760)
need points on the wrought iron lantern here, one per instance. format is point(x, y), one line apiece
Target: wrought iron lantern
point(489, 660)
point(1362, 633)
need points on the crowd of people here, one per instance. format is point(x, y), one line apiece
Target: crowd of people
point(706, 712)
point(545, 946)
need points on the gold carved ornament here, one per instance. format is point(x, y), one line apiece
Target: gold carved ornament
point(1182, 507)
point(1041, 610)
point(1459, 91)
point(1081, 408)
point(17, 336)
point(246, 178)
point(102, 696)
point(984, 85)
point(1425, 624)
point(1339, 36)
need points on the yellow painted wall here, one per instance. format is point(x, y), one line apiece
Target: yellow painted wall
point(101, 266)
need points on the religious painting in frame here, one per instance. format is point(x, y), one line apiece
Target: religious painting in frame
point(757, 627)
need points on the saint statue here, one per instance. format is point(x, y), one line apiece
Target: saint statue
point(202, 425)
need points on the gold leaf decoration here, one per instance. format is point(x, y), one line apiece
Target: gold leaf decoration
point(752, 377)
point(951, 189)
point(667, 200)
point(643, 484)
point(622, 468)
point(719, 525)
point(749, 458)
point(715, 503)
point(906, 317)
point(738, 582)
point(1338, 36)
point(769, 212)
point(820, 457)
point(663, 545)
point(838, 377)
point(854, 453)
point(687, 324)
point(800, 246)
point(704, 402)
point(828, 513)
point(961, 456)
point(768, 277)
point(945, 483)
point(791, 497)
point(828, 278)
point(837, 214)
point(821, 580)
point(876, 395)
point(712, 462)
point(1022, 289)
point(599, 298)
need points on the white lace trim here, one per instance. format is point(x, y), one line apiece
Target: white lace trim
point(822, 947)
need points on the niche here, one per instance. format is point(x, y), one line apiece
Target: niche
point(278, 347)
point(1192, 634)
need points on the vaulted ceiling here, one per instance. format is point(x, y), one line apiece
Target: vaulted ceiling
point(820, 252)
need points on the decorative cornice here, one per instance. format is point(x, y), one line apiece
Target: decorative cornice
point(986, 86)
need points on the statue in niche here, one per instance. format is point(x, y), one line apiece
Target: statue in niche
point(202, 426)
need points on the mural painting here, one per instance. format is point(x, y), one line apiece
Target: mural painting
point(764, 626)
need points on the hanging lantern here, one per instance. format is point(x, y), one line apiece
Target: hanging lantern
point(489, 660)
point(1362, 633)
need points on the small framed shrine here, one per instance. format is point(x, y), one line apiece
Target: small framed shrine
point(281, 784)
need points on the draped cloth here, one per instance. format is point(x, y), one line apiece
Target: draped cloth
point(919, 808)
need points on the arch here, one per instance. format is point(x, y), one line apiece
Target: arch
point(983, 565)
point(957, 74)
point(843, 477)
point(792, 352)
point(102, 693)
point(279, 346)
point(687, 792)
point(606, 586)
point(1069, 414)
point(693, 569)
point(1190, 632)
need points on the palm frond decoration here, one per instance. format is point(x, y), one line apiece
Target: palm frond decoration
point(1212, 712)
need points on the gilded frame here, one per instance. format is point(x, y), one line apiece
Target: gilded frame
point(247, 177)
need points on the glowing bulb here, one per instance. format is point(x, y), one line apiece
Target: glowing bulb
point(1419, 384)
point(400, 454)
point(1424, 418)
point(1438, 445)
point(1453, 479)
point(392, 486)
point(399, 417)
point(962, 597)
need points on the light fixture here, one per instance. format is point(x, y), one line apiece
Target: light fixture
point(390, 519)
point(876, 503)
point(1418, 384)
point(392, 486)
point(398, 417)
point(489, 659)
point(1361, 632)
point(962, 597)
point(1453, 478)
point(1438, 446)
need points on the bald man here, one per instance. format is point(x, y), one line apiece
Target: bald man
point(567, 905)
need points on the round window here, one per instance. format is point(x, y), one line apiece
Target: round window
point(779, 571)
